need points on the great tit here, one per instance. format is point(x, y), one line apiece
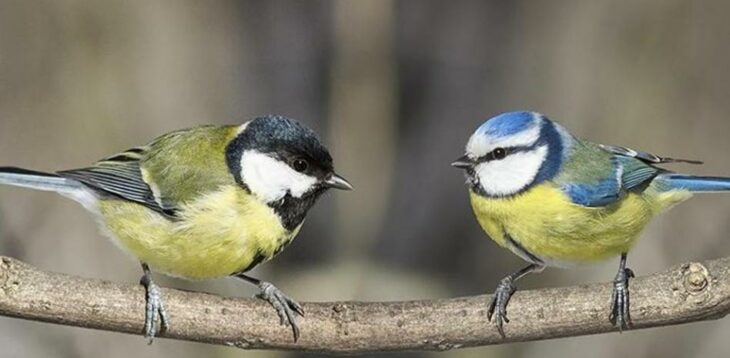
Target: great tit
point(556, 200)
point(203, 203)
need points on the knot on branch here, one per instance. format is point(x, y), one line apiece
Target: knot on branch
point(696, 277)
point(8, 284)
point(694, 284)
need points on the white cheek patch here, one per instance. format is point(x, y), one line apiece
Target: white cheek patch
point(510, 175)
point(480, 143)
point(270, 179)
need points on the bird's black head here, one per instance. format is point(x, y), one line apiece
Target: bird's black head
point(283, 163)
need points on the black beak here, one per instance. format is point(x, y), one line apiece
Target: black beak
point(335, 181)
point(463, 163)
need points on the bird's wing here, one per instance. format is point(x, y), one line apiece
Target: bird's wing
point(599, 175)
point(184, 166)
point(172, 170)
point(121, 176)
point(594, 189)
point(644, 156)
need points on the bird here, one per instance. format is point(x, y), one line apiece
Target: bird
point(202, 203)
point(556, 200)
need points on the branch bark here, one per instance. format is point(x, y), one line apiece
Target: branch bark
point(687, 293)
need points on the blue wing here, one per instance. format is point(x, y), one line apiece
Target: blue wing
point(593, 195)
point(668, 180)
point(629, 171)
point(601, 191)
point(644, 156)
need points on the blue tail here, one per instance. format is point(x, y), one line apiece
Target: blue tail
point(697, 184)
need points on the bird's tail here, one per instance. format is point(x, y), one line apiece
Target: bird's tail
point(696, 184)
point(37, 180)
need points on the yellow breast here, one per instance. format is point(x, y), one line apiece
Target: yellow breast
point(217, 235)
point(548, 225)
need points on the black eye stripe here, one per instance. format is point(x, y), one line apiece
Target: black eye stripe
point(489, 157)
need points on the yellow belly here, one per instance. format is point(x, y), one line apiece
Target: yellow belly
point(216, 236)
point(547, 224)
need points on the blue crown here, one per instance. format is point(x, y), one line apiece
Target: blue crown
point(507, 124)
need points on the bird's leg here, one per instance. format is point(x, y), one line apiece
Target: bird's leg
point(154, 307)
point(502, 295)
point(285, 307)
point(620, 316)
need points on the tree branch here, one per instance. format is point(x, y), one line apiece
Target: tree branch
point(688, 293)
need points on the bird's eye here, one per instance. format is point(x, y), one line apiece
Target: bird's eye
point(300, 165)
point(499, 153)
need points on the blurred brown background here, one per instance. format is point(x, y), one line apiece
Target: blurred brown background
point(396, 88)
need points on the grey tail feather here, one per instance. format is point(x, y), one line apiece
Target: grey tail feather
point(37, 180)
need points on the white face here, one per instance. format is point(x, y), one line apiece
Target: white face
point(271, 179)
point(517, 170)
point(511, 174)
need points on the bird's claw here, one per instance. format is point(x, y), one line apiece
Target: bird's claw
point(620, 316)
point(154, 307)
point(285, 307)
point(498, 304)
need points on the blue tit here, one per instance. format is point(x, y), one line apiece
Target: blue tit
point(203, 203)
point(557, 200)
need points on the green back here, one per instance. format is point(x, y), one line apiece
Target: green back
point(185, 164)
point(587, 163)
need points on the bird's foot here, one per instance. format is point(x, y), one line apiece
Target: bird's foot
point(154, 308)
point(285, 307)
point(620, 316)
point(498, 305)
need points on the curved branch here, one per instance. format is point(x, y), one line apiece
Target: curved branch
point(687, 293)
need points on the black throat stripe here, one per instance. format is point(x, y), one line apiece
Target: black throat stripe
point(292, 211)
